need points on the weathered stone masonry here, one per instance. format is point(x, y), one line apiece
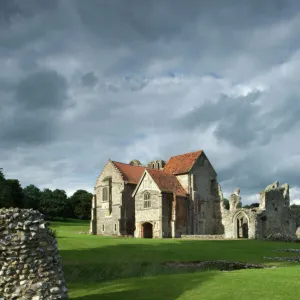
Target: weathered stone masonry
point(30, 267)
point(180, 198)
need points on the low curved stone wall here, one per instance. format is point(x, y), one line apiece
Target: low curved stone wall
point(30, 266)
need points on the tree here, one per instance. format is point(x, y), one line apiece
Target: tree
point(16, 192)
point(54, 203)
point(5, 195)
point(81, 202)
point(226, 203)
point(32, 196)
point(252, 205)
point(62, 204)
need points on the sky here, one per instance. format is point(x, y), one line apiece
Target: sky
point(82, 82)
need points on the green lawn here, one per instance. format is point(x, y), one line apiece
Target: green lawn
point(118, 268)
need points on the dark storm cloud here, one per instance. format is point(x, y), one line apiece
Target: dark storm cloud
point(35, 110)
point(42, 90)
point(114, 59)
point(189, 29)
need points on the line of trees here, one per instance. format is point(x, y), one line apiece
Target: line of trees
point(227, 204)
point(52, 204)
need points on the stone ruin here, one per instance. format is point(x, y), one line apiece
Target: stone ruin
point(272, 220)
point(30, 267)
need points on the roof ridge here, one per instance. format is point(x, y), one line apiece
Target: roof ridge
point(119, 162)
point(201, 150)
point(182, 163)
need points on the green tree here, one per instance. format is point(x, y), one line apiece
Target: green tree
point(54, 203)
point(16, 192)
point(32, 196)
point(81, 202)
point(62, 204)
point(5, 194)
point(252, 205)
point(226, 203)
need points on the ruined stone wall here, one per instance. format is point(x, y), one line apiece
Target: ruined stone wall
point(230, 218)
point(271, 217)
point(203, 237)
point(277, 218)
point(30, 267)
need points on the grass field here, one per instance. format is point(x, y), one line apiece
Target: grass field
point(118, 268)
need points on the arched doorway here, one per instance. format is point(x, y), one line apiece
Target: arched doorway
point(241, 225)
point(147, 230)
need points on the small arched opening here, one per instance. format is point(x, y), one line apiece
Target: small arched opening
point(147, 230)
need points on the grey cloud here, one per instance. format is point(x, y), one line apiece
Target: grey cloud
point(243, 121)
point(89, 79)
point(235, 118)
point(120, 41)
point(42, 90)
point(254, 172)
point(35, 110)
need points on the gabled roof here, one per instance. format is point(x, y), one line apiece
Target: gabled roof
point(167, 182)
point(181, 164)
point(131, 174)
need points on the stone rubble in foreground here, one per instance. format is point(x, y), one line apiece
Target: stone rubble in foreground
point(30, 265)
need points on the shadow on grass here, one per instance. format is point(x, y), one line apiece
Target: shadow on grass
point(166, 287)
point(97, 270)
point(89, 271)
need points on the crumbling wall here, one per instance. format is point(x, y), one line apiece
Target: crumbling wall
point(272, 217)
point(275, 201)
point(30, 267)
point(236, 217)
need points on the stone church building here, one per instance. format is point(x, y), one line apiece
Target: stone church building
point(178, 198)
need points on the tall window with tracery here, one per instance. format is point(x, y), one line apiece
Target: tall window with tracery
point(147, 200)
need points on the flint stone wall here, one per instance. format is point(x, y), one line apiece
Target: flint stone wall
point(30, 267)
point(203, 236)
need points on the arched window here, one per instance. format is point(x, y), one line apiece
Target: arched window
point(147, 200)
point(104, 194)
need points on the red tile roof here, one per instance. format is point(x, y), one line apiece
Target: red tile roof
point(167, 182)
point(181, 164)
point(131, 174)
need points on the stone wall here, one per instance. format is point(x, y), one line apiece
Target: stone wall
point(30, 267)
point(108, 213)
point(277, 217)
point(203, 236)
point(271, 217)
point(205, 214)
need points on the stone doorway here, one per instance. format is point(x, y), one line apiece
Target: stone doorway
point(147, 230)
point(241, 226)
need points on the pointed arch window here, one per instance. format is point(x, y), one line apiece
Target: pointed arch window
point(147, 200)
